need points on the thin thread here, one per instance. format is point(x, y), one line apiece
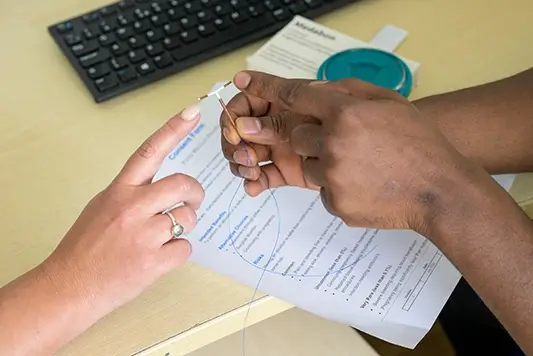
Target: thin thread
point(264, 269)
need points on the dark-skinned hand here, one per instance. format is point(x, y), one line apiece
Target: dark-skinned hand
point(376, 160)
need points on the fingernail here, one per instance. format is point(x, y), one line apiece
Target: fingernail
point(242, 80)
point(246, 172)
point(264, 181)
point(240, 157)
point(191, 113)
point(249, 125)
point(225, 133)
point(316, 82)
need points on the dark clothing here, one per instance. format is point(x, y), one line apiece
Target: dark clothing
point(472, 328)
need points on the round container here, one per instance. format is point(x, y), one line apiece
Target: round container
point(371, 65)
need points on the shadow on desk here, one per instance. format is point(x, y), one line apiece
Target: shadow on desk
point(435, 344)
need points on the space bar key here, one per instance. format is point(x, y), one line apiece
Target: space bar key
point(230, 34)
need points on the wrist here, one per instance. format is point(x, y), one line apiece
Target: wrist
point(469, 199)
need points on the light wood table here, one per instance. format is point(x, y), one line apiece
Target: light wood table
point(58, 148)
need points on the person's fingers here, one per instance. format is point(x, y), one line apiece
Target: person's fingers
point(250, 173)
point(314, 172)
point(169, 191)
point(160, 225)
point(240, 105)
point(174, 254)
point(307, 140)
point(292, 94)
point(269, 178)
point(246, 154)
point(270, 130)
point(144, 163)
point(326, 197)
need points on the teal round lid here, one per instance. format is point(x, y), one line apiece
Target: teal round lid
point(371, 65)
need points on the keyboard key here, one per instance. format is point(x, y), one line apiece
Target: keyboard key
point(125, 32)
point(90, 32)
point(171, 42)
point(175, 3)
point(192, 7)
point(222, 24)
point(141, 26)
point(98, 70)
point(158, 7)
point(127, 74)
point(238, 17)
point(93, 58)
point(119, 48)
point(163, 60)
point(72, 39)
point(271, 4)
point(105, 83)
point(159, 20)
point(154, 35)
point(126, 4)
point(313, 3)
point(92, 17)
point(84, 48)
point(145, 68)
point(107, 26)
point(141, 14)
point(256, 11)
point(107, 39)
point(238, 4)
point(281, 14)
point(154, 49)
point(206, 30)
point(124, 20)
point(175, 14)
point(298, 7)
point(64, 27)
point(136, 55)
point(107, 11)
point(188, 22)
point(171, 28)
point(188, 36)
point(204, 16)
point(222, 9)
point(136, 42)
point(209, 3)
point(230, 34)
point(119, 62)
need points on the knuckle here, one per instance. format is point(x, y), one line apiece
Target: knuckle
point(147, 149)
point(171, 126)
point(278, 122)
point(347, 111)
point(183, 182)
point(289, 93)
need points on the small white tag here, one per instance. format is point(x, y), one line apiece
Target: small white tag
point(389, 38)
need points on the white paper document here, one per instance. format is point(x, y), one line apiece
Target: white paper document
point(391, 284)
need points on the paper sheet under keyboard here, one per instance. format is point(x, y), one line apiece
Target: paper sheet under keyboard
point(391, 284)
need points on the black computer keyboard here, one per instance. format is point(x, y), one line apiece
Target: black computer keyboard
point(131, 43)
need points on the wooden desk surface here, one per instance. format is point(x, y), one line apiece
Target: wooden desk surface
point(58, 148)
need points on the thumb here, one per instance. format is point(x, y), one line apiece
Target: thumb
point(270, 130)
